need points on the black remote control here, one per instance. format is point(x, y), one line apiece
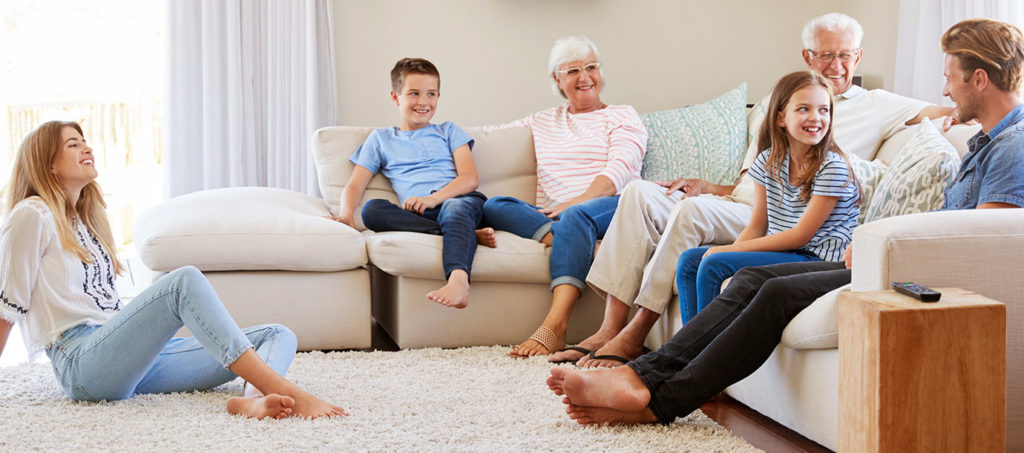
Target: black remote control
point(917, 291)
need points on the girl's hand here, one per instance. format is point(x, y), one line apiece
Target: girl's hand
point(420, 204)
point(717, 249)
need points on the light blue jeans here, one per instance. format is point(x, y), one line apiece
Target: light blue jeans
point(135, 352)
point(575, 232)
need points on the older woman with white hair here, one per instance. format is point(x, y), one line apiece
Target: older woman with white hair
point(587, 151)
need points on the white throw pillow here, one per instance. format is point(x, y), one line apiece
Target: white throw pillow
point(919, 173)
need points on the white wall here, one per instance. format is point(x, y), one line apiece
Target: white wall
point(657, 54)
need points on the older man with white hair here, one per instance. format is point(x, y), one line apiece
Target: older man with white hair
point(656, 221)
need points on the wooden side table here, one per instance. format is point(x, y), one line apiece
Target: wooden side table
point(917, 376)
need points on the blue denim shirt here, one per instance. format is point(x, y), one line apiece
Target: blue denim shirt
point(993, 168)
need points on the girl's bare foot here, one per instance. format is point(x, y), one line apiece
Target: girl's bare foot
point(616, 388)
point(586, 415)
point(261, 407)
point(309, 406)
point(486, 238)
point(455, 293)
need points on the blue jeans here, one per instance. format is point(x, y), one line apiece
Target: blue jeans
point(135, 352)
point(700, 280)
point(575, 232)
point(456, 220)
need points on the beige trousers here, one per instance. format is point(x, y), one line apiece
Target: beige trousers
point(638, 255)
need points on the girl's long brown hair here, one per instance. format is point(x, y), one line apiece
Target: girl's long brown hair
point(774, 136)
point(31, 177)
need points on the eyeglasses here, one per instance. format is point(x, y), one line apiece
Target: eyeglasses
point(827, 57)
point(575, 72)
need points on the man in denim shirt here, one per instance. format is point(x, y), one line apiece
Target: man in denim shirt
point(734, 335)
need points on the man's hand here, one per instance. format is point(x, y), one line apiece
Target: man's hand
point(420, 204)
point(951, 120)
point(848, 256)
point(690, 187)
point(346, 220)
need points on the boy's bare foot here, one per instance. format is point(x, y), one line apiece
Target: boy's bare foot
point(617, 346)
point(486, 238)
point(261, 407)
point(455, 293)
point(617, 388)
point(588, 415)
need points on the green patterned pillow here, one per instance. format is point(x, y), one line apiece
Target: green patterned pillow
point(915, 179)
point(869, 173)
point(703, 141)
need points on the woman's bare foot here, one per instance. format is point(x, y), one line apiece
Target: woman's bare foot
point(617, 346)
point(261, 407)
point(532, 347)
point(617, 388)
point(455, 293)
point(588, 415)
point(486, 238)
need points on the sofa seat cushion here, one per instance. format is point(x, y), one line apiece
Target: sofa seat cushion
point(817, 326)
point(246, 228)
point(418, 255)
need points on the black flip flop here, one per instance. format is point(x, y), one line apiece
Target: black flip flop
point(614, 357)
point(585, 352)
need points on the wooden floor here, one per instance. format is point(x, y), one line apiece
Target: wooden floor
point(762, 432)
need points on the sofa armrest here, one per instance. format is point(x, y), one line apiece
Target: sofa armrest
point(980, 250)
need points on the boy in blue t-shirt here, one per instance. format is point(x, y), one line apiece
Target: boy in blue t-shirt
point(431, 168)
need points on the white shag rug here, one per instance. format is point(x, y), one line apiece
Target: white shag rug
point(468, 399)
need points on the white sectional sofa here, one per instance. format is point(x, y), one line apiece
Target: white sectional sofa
point(273, 258)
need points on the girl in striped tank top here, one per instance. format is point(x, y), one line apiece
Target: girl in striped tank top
point(807, 198)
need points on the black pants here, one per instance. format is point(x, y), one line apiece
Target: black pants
point(733, 336)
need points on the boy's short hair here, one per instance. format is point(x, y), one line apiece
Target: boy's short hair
point(993, 46)
point(412, 66)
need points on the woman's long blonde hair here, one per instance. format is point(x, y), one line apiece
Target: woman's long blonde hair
point(32, 177)
point(774, 136)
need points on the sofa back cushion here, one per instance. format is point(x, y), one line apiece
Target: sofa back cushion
point(505, 163)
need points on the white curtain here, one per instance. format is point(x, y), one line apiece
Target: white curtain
point(919, 59)
point(248, 83)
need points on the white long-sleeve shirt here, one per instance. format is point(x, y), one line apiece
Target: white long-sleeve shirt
point(46, 288)
point(574, 148)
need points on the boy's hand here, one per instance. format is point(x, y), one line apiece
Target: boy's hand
point(420, 204)
point(347, 221)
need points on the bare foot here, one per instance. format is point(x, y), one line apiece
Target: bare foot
point(557, 380)
point(617, 346)
point(309, 406)
point(616, 388)
point(588, 415)
point(261, 407)
point(531, 347)
point(454, 294)
point(486, 238)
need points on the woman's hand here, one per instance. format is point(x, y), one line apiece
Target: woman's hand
point(717, 249)
point(554, 211)
point(848, 256)
point(420, 204)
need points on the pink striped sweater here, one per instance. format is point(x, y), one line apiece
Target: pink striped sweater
point(573, 149)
